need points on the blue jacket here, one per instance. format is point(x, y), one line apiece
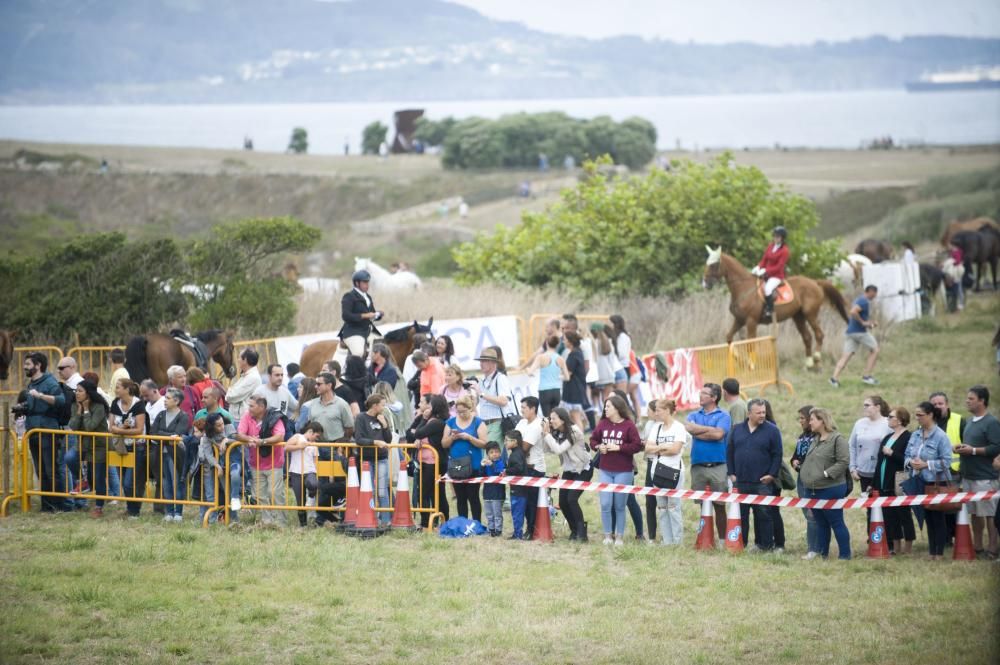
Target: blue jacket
point(935, 449)
point(494, 492)
point(752, 455)
point(40, 412)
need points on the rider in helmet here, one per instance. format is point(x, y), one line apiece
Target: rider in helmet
point(772, 268)
point(359, 314)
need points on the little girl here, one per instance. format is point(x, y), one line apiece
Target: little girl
point(212, 445)
point(302, 465)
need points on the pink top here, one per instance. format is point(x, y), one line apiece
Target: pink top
point(250, 427)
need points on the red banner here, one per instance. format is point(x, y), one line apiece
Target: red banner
point(684, 382)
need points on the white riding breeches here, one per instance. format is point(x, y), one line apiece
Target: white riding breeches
point(770, 285)
point(355, 345)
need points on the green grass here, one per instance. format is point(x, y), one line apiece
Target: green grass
point(84, 591)
point(845, 212)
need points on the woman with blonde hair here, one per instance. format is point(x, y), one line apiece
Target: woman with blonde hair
point(454, 387)
point(824, 474)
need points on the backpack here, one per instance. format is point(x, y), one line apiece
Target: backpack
point(63, 413)
point(267, 425)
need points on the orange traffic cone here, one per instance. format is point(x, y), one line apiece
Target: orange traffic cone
point(963, 550)
point(706, 527)
point(351, 505)
point(734, 528)
point(543, 524)
point(878, 545)
point(366, 502)
point(402, 517)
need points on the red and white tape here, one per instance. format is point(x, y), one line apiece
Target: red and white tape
point(734, 497)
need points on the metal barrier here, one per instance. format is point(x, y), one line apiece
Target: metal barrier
point(17, 381)
point(162, 454)
point(265, 348)
point(536, 326)
point(713, 362)
point(95, 359)
point(754, 362)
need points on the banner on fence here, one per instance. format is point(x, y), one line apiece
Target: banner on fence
point(683, 381)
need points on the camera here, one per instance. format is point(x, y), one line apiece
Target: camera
point(20, 409)
point(466, 384)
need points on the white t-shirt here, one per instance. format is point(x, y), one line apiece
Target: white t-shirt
point(153, 410)
point(587, 347)
point(532, 435)
point(655, 431)
point(303, 461)
point(624, 346)
point(279, 399)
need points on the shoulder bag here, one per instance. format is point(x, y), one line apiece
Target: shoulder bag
point(460, 468)
point(664, 476)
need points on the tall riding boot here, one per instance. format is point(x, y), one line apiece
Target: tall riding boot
point(768, 308)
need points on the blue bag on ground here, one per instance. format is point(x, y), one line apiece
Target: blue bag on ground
point(462, 527)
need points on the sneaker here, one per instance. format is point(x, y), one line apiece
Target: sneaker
point(168, 518)
point(834, 382)
point(608, 540)
point(752, 548)
point(809, 556)
point(234, 504)
point(112, 503)
point(778, 550)
point(178, 518)
point(619, 543)
point(870, 380)
point(81, 487)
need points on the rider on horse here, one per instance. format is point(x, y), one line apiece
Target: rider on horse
point(772, 268)
point(358, 311)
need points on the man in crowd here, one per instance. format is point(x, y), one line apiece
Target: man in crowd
point(382, 368)
point(732, 402)
point(264, 432)
point(431, 373)
point(44, 400)
point(357, 309)
point(952, 424)
point(295, 376)
point(210, 404)
point(154, 403)
point(859, 325)
point(553, 328)
point(69, 470)
point(753, 458)
point(709, 428)
point(980, 445)
point(277, 395)
point(530, 427)
point(494, 394)
point(334, 414)
point(243, 388)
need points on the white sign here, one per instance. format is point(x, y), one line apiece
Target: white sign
point(898, 286)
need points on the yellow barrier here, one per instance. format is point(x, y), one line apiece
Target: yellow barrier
point(536, 326)
point(278, 495)
point(17, 381)
point(95, 359)
point(754, 362)
point(265, 349)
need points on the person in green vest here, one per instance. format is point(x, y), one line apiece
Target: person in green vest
point(952, 424)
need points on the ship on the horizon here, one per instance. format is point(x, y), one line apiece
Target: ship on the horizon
point(975, 78)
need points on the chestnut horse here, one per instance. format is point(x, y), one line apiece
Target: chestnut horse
point(149, 356)
point(747, 306)
point(399, 341)
point(956, 226)
point(6, 353)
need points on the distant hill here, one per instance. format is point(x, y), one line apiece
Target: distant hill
point(114, 51)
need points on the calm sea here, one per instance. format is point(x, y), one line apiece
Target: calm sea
point(840, 120)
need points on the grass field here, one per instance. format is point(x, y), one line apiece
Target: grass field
point(115, 591)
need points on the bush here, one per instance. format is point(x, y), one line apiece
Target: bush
point(654, 228)
point(373, 136)
point(299, 143)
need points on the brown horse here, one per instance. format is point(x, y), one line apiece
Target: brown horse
point(149, 356)
point(956, 226)
point(876, 250)
point(399, 341)
point(747, 306)
point(6, 353)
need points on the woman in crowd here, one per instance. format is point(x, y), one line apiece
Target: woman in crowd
point(632, 503)
point(823, 472)
point(891, 457)
point(114, 480)
point(302, 458)
point(617, 439)
point(928, 454)
point(445, 350)
point(552, 372)
point(307, 392)
point(574, 389)
point(198, 381)
point(426, 431)
point(454, 378)
point(373, 433)
point(566, 440)
point(90, 414)
point(665, 440)
point(802, 445)
point(171, 421)
point(465, 436)
point(866, 439)
point(610, 373)
point(127, 419)
point(623, 347)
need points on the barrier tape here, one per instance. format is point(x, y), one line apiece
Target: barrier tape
point(735, 497)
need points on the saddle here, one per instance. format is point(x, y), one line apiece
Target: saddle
point(782, 295)
point(197, 347)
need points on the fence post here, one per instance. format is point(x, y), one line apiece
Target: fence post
point(6, 458)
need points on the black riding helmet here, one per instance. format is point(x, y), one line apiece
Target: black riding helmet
point(361, 276)
point(780, 231)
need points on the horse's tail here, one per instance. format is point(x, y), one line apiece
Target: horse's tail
point(834, 296)
point(135, 359)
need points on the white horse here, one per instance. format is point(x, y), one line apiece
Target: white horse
point(322, 285)
point(849, 271)
point(383, 280)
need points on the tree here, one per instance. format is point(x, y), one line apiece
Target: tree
point(299, 143)
point(372, 136)
point(647, 236)
point(431, 132)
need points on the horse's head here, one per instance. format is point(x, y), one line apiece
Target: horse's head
point(713, 267)
point(361, 263)
point(417, 328)
point(6, 352)
point(225, 354)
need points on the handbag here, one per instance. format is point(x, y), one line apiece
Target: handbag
point(665, 477)
point(460, 468)
point(945, 487)
point(898, 481)
point(119, 446)
point(786, 478)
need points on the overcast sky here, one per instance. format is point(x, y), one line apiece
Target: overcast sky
point(761, 21)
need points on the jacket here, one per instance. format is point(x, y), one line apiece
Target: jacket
point(41, 414)
point(825, 464)
point(95, 421)
point(886, 466)
point(773, 262)
point(352, 306)
point(573, 452)
point(517, 465)
point(933, 448)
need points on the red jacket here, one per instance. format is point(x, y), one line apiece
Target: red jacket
point(773, 263)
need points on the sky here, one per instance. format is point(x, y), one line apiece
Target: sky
point(759, 21)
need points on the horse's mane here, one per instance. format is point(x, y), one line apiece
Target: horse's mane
point(209, 335)
point(399, 334)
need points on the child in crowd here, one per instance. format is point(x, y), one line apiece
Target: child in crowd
point(494, 493)
point(212, 445)
point(517, 465)
point(302, 466)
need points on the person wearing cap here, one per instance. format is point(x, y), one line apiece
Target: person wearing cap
point(494, 394)
point(772, 268)
point(357, 309)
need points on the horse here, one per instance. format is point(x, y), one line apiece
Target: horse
point(6, 353)
point(956, 226)
point(851, 270)
point(931, 282)
point(399, 341)
point(980, 248)
point(383, 280)
point(876, 250)
point(149, 356)
point(747, 306)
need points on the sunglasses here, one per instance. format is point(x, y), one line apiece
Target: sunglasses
point(63, 367)
point(867, 404)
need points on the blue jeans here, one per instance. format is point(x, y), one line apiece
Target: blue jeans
point(237, 463)
point(832, 519)
point(114, 481)
point(71, 467)
point(382, 490)
point(518, 504)
point(812, 531)
point(208, 492)
point(762, 515)
point(46, 452)
point(99, 472)
point(612, 502)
